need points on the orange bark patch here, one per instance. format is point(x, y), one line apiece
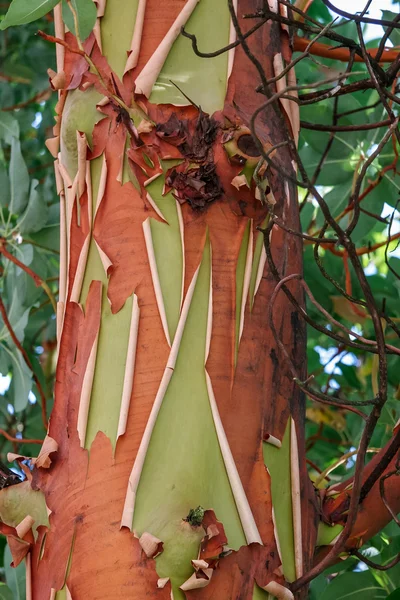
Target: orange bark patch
point(215, 539)
point(19, 547)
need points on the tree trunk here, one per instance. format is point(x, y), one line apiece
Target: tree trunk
point(179, 427)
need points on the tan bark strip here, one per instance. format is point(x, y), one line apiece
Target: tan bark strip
point(80, 271)
point(120, 175)
point(69, 209)
point(232, 38)
point(105, 261)
point(67, 594)
point(60, 33)
point(136, 38)
point(260, 270)
point(84, 402)
point(148, 76)
point(102, 184)
point(28, 575)
point(276, 535)
point(210, 312)
point(53, 593)
point(60, 320)
point(89, 193)
point(101, 7)
point(294, 107)
point(86, 391)
point(281, 84)
point(129, 368)
point(81, 143)
point(154, 205)
point(250, 529)
point(63, 234)
point(64, 173)
point(69, 189)
point(25, 525)
point(97, 34)
point(278, 591)
point(296, 500)
point(162, 582)
point(182, 232)
point(155, 278)
point(134, 478)
point(246, 281)
point(284, 13)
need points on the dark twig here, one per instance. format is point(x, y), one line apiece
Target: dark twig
point(373, 565)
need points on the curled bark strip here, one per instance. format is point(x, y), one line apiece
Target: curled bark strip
point(151, 545)
point(60, 32)
point(92, 320)
point(133, 54)
point(129, 368)
point(279, 591)
point(156, 280)
point(246, 516)
point(232, 40)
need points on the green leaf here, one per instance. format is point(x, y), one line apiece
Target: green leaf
point(394, 37)
point(9, 127)
point(393, 596)
point(86, 13)
point(15, 578)
point(18, 317)
point(4, 187)
point(19, 179)
point(5, 592)
point(353, 586)
point(35, 216)
point(21, 382)
point(350, 375)
point(26, 11)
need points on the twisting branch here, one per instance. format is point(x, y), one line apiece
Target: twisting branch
point(16, 440)
point(374, 565)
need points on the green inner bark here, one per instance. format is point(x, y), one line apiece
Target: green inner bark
point(277, 460)
point(184, 466)
point(203, 80)
point(168, 252)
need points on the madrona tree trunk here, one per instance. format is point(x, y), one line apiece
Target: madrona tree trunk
point(180, 469)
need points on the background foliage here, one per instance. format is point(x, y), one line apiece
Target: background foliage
point(29, 218)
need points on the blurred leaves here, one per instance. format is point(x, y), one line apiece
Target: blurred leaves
point(29, 224)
